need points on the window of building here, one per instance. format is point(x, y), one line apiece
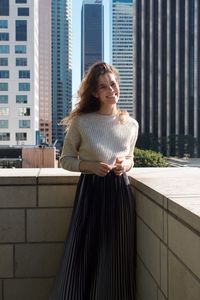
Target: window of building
point(21, 99)
point(24, 123)
point(4, 49)
point(21, 30)
point(3, 86)
point(21, 136)
point(4, 8)
point(4, 74)
point(4, 136)
point(3, 123)
point(22, 61)
point(24, 111)
point(21, 1)
point(4, 111)
point(3, 99)
point(4, 36)
point(24, 86)
point(23, 11)
point(3, 61)
point(20, 49)
point(3, 23)
point(24, 74)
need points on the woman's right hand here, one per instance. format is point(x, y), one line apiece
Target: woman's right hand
point(97, 168)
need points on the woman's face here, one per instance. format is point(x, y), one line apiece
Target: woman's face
point(107, 89)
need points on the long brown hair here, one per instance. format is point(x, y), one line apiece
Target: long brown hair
point(87, 101)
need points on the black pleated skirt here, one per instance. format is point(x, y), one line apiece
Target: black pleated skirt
point(100, 249)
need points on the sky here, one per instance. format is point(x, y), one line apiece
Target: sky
point(76, 40)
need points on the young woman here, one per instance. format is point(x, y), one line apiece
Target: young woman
point(99, 256)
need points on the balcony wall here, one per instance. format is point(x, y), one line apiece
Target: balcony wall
point(35, 210)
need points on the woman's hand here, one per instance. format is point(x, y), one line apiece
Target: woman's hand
point(122, 165)
point(98, 168)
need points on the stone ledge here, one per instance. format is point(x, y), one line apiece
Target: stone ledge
point(18, 176)
point(175, 189)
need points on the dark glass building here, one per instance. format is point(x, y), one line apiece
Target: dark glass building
point(61, 66)
point(92, 34)
point(168, 73)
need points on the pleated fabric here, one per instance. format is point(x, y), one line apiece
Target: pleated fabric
point(100, 249)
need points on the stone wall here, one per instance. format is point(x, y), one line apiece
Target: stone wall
point(168, 233)
point(35, 210)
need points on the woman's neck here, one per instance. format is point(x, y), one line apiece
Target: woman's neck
point(108, 110)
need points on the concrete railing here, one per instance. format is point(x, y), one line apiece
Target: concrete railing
point(35, 210)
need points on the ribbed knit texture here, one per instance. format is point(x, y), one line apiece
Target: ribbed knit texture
point(97, 137)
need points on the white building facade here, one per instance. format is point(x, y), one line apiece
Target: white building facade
point(122, 52)
point(19, 83)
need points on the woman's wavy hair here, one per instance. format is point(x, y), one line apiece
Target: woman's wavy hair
point(87, 101)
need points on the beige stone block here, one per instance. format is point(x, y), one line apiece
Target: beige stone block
point(18, 176)
point(185, 244)
point(56, 195)
point(12, 225)
point(163, 269)
point(161, 296)
point(165, 227)
point(151, 213)
point(186, 208)
point(48, 224)
point(57, 176)
point(27, 289)
point(6, 261)
point(37, 260)
point(146, 286)
point(18, 196)
point(149, 249)
point(182, 284)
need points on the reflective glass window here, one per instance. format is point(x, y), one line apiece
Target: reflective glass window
point(20, 49)
point(3, 99)
point(3, 86)
point(3, 123)
point(3, 23)
point(4, 74)
point(4, 49)
point(23, 11)
point(21, 136)
point(22, 61)
point(4, 136)
point(4, 36)
point(24, 86)
point(21, 30)
point(3, 61)
point(4, 8)
point(21, 99)
point(24, 74)
point(24, 123)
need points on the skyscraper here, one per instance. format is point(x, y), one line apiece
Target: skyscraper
point(92, 33)
point(168, 71)
point(61, 65)
point(45, 71)
point(19, 86)
point(122, 52)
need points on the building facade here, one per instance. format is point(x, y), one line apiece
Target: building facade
point(168, 73)
point(122, 50)
point(45, 115)
point(92, 34)
point(19, 85)
point(61, 66)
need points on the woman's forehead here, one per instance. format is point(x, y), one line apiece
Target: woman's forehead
point(106, 78)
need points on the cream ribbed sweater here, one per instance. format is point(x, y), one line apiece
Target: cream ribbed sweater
point(96, 137)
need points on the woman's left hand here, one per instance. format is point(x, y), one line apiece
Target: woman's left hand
point(122, 165)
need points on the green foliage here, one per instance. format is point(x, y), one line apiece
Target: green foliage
point(149, 158)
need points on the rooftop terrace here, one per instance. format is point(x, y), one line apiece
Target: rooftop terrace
point(35, 210)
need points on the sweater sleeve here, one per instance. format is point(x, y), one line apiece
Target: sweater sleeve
point(69, 159)
point(133, 142)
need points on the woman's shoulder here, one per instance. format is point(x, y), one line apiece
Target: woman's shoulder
point(133, 122)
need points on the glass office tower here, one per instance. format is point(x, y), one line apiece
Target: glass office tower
point(61, 66)
point(19, 84)
point(168, 73)
point(92, 33)
point(122, 50)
